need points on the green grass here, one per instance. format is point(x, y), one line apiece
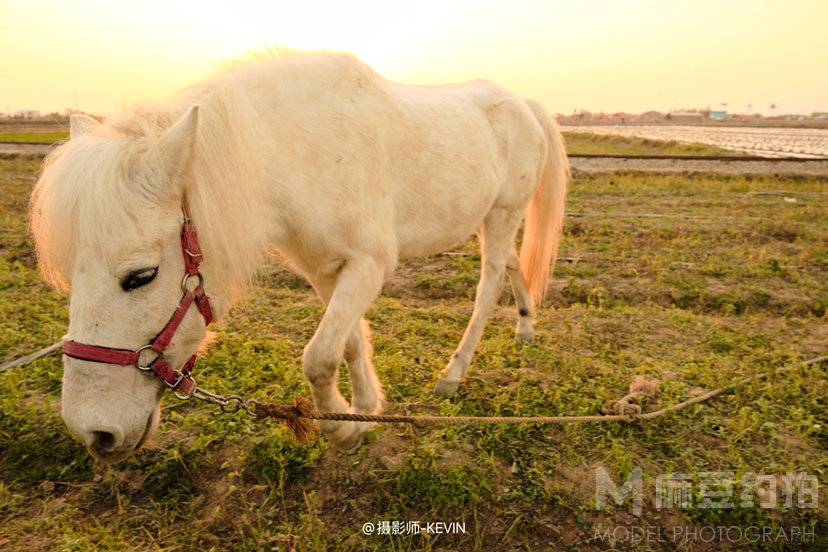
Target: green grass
point(34, 137)
point(577, 143)
point(583, 143)
point(695, 303)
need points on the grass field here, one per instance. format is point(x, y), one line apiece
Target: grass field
point(33, 137)
point(577, 143)
point(583, 143)
point(695, 302)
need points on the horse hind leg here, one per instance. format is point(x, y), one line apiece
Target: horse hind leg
point(498, 244)
point(525, 331)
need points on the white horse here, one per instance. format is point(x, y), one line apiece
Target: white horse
point(315, 156)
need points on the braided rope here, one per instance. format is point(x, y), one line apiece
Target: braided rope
point(45, 351)
point(298, 417)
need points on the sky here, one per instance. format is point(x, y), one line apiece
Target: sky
point(631, 55)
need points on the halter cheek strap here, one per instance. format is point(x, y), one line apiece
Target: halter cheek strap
point(150, 357)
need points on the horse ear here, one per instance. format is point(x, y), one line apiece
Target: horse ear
point(177, 142)
point(80, 124)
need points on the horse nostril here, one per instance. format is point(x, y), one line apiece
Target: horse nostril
point(103, 441)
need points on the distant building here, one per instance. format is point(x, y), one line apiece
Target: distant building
point(718, 115)
point(27, 114)
point(821, 115)
point(685, 116)
point(651, 116)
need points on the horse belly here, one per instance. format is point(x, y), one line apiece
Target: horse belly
point(437, 218)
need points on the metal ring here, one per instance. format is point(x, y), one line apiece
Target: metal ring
point(238, 405)
point(187, 277)
point(184, 396)
point(148, 366)
point(249, 407)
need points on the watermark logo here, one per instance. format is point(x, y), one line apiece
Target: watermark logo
point(713, 489)
point(632, 488)
point(685, 534)
point(396, 527)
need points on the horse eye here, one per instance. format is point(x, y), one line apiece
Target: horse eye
point(138, 278)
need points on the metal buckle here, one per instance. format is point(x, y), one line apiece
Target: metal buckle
point(148, 366)
point(180, 375)
point(187, 277)
point(179, 394)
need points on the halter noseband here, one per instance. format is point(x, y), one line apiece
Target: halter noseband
point(180, 381)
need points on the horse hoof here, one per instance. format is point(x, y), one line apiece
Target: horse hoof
point(525, 338)
point(351, 445)
point(355, 447)
point(446, 388)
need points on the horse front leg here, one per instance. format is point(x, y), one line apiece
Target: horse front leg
point(358, 283)
point(366, 389)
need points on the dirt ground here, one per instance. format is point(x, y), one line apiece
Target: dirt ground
point(764, 166)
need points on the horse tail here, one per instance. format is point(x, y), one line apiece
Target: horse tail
point(545, 212)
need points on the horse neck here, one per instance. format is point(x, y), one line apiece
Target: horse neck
point(232, 206)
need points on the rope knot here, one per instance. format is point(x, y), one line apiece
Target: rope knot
point(631, 410)
point(640, 387)
point(298, 417)
point(291, 413)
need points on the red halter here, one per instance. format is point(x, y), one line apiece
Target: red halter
point(179, 381)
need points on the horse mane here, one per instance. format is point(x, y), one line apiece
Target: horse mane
point(85, 184)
